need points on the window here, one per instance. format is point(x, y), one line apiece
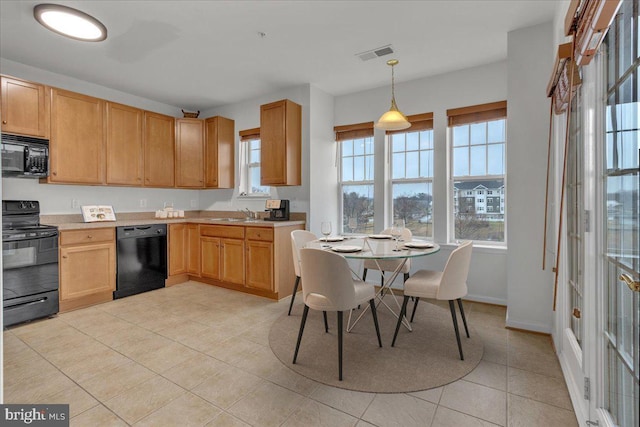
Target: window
point(412, 175)
point(478, 165)
point(355, 143)
point(250, 164)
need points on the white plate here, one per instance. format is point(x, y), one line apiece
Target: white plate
point(418, 245)
point(332, 239)
point(379, 236)
point(345, 248)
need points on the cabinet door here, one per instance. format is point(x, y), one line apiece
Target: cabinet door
point(24, 108)
point(189, 153)
point(124, 145)
point(159, 146)
point(87, 269)
point(193, 260)
point(272, 144)
point(77, 138)
point(177, 249)
point(219, 153)
point(210, 257)
point(260, 265)
point(232, 261)
point(280, 143)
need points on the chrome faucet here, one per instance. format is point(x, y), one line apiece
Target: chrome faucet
point(249, 213)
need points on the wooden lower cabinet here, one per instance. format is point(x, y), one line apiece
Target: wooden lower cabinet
point(193, 242)
point(178, 249)
point(252, 259)
point(232, 261)
point(260, 265)
point(210, 257)
point(87, 267)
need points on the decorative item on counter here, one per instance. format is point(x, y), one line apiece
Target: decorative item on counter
point(189, 115)
point(168, 212)
point(94, 213)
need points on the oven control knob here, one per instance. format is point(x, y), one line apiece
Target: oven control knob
point(22, 205)
point(31, 205)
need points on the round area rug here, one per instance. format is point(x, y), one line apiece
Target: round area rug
point(425, 358)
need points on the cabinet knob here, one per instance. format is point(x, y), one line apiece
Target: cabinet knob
point(64, 256)
point(54, 173)
point(89, 236)
point(4, 122)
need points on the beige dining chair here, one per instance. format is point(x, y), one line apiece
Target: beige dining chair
point(450, 285)
point(299, 239)
point(390, 264)
point(328, 285)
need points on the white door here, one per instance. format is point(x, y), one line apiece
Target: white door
point(618, 308)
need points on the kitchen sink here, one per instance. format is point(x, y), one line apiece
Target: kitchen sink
point(235, 219)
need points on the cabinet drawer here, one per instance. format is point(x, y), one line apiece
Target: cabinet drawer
point(260, 233)
point(87, 236)
point(228, 231)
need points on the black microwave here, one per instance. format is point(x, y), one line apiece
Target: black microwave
point(24, 156)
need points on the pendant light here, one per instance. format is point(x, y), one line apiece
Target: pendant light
point(393, 119)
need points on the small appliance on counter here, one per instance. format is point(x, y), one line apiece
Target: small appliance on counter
point(278, 210)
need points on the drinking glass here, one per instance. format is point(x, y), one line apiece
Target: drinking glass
point(325, 229)
point(396, 231)
point(353, 224)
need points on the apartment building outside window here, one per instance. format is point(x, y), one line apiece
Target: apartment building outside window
point(250, 164)
point(478, 168)
point(412, 174)
point(356, 169)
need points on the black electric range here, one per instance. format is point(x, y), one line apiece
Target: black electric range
point(29, 263)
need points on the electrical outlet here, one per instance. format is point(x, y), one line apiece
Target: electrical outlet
point(143, 203)
point(75, 203)
point(194, 203)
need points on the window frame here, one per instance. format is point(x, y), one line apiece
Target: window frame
point(341, 183)
point(246, 166)
point(390, 180)
point(485, 117)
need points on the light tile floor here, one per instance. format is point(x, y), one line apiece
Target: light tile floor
point(198, 355)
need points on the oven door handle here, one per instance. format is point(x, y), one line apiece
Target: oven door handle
point(24, 304)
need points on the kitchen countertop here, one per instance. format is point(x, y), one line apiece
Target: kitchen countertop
point(74, 222)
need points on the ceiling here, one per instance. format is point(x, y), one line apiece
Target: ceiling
point(198, 55)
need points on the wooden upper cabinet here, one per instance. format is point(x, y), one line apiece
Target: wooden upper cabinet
point(189, 153)
point(124, 145)
point(280, 143)
point(25, 109)
point(77, 146)
point(219, 152)
point(159, 144)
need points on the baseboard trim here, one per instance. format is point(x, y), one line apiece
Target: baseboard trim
point(486, 300)
point(529, 327)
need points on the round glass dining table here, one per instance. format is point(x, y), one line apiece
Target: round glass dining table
point(377, 247)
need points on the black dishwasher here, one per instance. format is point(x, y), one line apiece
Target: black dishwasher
point(142, 259)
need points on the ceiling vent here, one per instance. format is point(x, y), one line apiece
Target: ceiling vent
point(375, 53)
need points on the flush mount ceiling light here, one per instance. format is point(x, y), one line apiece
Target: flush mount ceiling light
point(393, 119)
point(70, 22)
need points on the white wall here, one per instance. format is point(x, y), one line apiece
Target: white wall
point(58, 199)
point(487, 278)
point(323, 195)
point(530, 289)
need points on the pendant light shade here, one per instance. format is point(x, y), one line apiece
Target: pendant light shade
point(393, 119)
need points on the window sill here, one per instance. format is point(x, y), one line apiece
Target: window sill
point(254, 196)
point(488, 249)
